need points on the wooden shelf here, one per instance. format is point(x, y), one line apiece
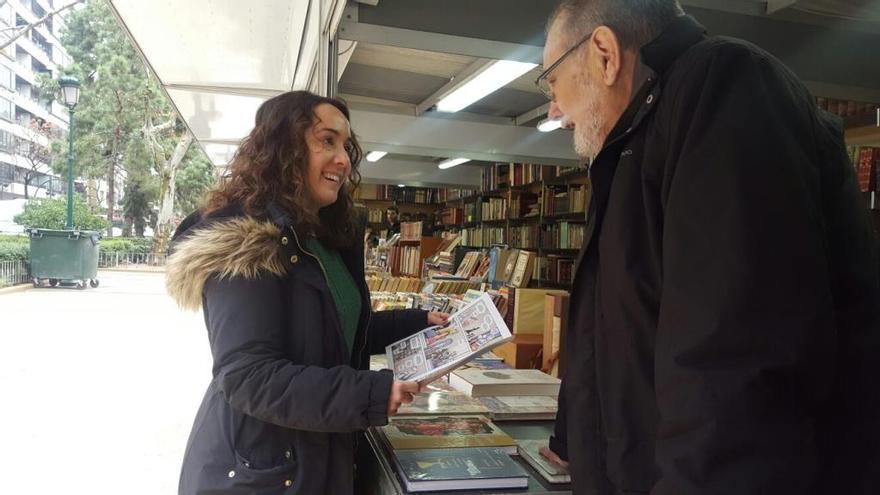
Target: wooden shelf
point(572, 252)
point(580, 173)
point(547, 284)
point(499, 221)
point(579, 216)
point(525, 220)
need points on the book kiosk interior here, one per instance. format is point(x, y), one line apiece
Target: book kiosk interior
point(493, 205)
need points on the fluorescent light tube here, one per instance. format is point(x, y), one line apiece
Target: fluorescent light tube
point(375, 156)
point(452, 162)
point(494, 77)
point(548, 125)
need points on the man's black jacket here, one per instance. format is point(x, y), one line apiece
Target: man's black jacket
point(724, 336)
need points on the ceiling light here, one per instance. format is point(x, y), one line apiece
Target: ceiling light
point(452, 162)
point(375, 156)
point(494, 77)
point(549, 125)
point(401, 185)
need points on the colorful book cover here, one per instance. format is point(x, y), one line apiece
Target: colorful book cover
point(530, 451)
point(442, 403)
point(459, 469)
point(446, 432)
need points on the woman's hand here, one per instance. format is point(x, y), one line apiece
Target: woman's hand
point(401, 393)
point(435, 318)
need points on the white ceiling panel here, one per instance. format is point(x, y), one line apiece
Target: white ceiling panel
point(223, 43)
point(216, 117)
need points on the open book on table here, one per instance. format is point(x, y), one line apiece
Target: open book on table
point(435, 351)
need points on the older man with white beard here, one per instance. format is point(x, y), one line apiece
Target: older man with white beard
point(724, 334)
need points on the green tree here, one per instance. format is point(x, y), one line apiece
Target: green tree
point(52, 214)
point(125, 125)
point(196, 176)
point(137, 204)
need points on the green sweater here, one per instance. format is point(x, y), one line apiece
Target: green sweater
point(343, 288)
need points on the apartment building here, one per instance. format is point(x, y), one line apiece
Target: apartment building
point(26, 120)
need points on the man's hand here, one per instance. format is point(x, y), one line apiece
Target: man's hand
point(435, 318)
point(401, 393)
point(552, 457)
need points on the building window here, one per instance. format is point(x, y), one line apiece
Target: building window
point(7, 142)
point(7, 110)
point(7, 78)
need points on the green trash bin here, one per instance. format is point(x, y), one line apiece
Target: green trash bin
point(64, 256)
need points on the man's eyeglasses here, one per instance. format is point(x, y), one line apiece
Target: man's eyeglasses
point(542, 83)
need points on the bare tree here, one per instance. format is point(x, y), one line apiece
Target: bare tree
point(32, 155)
point(10, 34)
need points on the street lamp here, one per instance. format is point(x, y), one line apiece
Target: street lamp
point(70, 93)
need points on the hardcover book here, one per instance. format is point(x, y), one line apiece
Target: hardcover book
point(512, 382)
point(446, 432)
point(458, 469)
point(521, 408)
point(530, 452)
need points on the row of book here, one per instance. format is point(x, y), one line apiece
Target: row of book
point(483, 236)
point(445, 303)
point(388, 192)
point(394, 284)
point(566, 199)
point(410, 231)
point(525, 206)
point(845, 108)
point(452, 216)
point(556, 269)
point(494, 209)
point(473, 265)
point(524, 236)
point(375, 215)
point(446, 195)
point(563, 235)
point(503, 175)
point(867, 163)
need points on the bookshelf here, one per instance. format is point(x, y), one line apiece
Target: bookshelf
point(524, 206)
point(408, 256)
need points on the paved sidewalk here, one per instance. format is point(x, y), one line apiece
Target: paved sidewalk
point(99, 387)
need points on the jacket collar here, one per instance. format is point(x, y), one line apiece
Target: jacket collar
point(678, 36)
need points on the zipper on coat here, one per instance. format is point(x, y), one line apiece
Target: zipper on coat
point(326, 280)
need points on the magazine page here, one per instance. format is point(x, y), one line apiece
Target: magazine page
point(476, 328)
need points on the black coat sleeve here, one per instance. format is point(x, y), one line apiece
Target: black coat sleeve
point(744, 349)
point(387, 327)
point(246, 323)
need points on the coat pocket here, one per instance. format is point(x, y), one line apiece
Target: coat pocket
point(271, 478)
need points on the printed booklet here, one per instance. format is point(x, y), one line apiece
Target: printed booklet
point(435, 351)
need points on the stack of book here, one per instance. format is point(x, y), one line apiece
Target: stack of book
point(469, 264)
point(845, 108)
point(504, 382)
point(443, 261)
point(530, 451)
point(394, 284)
point(439, 453)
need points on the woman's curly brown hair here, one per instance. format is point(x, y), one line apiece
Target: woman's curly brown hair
point(271, 166)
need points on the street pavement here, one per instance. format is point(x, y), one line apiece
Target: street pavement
point(99, 387)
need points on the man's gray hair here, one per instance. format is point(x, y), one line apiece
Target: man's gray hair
point(635, 22)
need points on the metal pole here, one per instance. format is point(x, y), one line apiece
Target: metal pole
point(70, 175)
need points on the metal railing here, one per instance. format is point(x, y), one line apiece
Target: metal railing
point(14, 272)
point(131, 261)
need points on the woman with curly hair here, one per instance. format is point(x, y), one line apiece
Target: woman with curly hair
point(275, 260)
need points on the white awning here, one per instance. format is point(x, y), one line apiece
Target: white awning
point(219, 60)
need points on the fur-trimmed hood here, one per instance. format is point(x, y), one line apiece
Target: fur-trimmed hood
point(227, 247)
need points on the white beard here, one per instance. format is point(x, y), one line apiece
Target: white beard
point(588, 134)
